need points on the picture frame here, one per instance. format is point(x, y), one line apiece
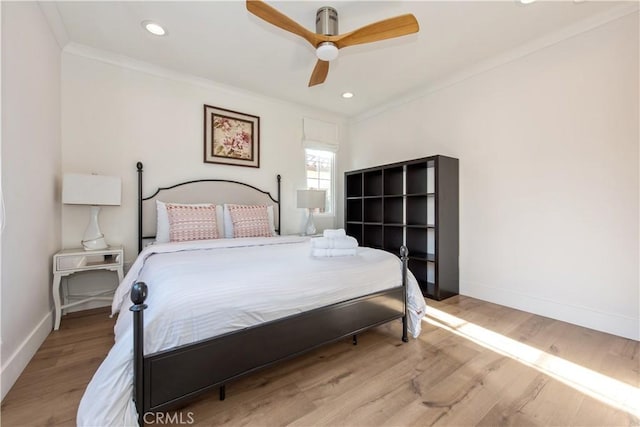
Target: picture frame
point(231, 137)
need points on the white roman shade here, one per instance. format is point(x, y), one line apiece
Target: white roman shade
point(319, 135)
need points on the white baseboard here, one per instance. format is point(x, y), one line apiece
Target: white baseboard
point(612, 323)
point(15, 364)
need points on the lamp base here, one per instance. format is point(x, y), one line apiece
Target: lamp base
point(93, 238)
point(95, 244)
point(310, 228)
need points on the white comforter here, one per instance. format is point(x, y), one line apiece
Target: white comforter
point(198, 290)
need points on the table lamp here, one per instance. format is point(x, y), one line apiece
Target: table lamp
point(311, 199)
point(95, 191)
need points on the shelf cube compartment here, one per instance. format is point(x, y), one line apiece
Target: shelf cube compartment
point(421, 210)
point(419, 239)
point(372, 236)
point(393, 210)
point(417, 178)
point(394, 181)
point(354, 210)
point(424, 272)
point(393, 239)
point(354, 185)
point(355, 231)
point(373, 183)
point(373, 210)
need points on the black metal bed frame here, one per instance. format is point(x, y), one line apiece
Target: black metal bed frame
point(168, 379)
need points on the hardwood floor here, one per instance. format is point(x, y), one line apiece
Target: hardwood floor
point(452, 375)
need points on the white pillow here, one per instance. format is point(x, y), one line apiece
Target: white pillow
point(162, 224)
point(228, 223)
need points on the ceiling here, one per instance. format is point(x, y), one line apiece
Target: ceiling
point(223, 42)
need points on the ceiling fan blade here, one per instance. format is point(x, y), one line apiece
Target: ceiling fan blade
point(320, 72)
point(272, 16)
point(381, 30)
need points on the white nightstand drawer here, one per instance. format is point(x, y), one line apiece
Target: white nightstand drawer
point(70, 262)
point(80, 260)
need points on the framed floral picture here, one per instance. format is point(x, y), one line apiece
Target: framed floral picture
point(231, 138)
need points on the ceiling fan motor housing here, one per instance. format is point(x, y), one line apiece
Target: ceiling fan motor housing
point(327, 21)
point(327, 24)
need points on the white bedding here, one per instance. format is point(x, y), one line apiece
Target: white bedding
point(198, 290)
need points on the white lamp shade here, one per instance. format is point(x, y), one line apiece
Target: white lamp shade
point(84, 189)
point(311, 199)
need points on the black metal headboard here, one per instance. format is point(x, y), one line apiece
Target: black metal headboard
point(141, 199)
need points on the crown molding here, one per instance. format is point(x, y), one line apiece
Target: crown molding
point(52, 15)
point(130, 63)
point(127, 62)
point(505, 58)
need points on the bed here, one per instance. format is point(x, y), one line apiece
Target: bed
point(190, 323)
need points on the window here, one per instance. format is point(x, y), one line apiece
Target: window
point(319, 170)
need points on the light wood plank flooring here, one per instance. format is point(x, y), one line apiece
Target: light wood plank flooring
point(439, 379)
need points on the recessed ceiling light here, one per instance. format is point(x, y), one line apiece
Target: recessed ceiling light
point(154, 28)
point(347, 95)
point(526, 1)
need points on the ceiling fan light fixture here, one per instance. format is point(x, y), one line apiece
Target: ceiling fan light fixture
point(154, 28)
point(327, 51)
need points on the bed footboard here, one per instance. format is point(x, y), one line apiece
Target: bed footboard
point(169, 379)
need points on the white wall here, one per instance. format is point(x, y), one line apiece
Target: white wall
point(116, 112)
point(548, 149)
point(30, 178)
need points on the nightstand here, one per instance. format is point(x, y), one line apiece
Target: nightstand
point(70, 261)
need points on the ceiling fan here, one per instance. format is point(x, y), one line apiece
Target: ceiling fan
point(326, 39)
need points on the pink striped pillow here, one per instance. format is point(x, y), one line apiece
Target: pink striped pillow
point(250, 221)
point(191, 222)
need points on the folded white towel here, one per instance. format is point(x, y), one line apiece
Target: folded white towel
point(317, 252)
point(334, 233)
point(346, 242)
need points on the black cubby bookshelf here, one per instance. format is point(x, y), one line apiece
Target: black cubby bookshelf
point(412, 203)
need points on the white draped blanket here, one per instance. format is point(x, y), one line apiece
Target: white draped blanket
point(198, 290)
